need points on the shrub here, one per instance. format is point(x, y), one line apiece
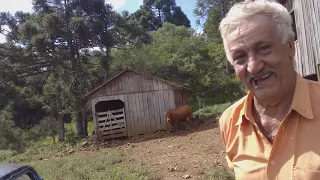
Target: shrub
point(5, 154)
point(11, 137)
point(48, 127)
point(70, 133)
point(211, 111)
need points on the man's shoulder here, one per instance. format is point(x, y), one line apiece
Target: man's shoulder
point(314, 87)
point(231, 111)
point(312, 83)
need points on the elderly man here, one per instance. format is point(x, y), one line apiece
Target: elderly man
point(274, 131)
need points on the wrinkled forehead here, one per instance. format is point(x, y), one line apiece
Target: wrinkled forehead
point(251, 31)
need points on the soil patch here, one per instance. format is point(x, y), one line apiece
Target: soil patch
point(186, 154)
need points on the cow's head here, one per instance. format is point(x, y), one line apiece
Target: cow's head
point(167, 115)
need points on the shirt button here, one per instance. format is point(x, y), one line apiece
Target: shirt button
point(272, 163)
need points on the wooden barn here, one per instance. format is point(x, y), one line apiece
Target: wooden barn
point(306, 18)
point(133, 103)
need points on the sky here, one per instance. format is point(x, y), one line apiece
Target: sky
point(187, 7)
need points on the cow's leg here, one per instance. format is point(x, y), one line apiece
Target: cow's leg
point(189, 121)
point(174, 127)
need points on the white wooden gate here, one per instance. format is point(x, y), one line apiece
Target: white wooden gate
point(111, 124)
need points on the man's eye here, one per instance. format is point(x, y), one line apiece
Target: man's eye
point(264, 49)
point(239, 59)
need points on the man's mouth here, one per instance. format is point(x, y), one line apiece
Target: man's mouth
point(256, 80)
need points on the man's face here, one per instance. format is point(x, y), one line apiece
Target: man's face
point(261, 61)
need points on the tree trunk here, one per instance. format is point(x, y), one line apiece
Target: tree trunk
point(85, 123)
point(79, 124)
point(159, 16)
point(107, 63)
point(61, 136)
point(59, 116)
point(75, 86)
point(54, 117)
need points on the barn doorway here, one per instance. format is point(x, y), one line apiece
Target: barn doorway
point(110, 119)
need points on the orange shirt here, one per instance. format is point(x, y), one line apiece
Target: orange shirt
point(295, 152)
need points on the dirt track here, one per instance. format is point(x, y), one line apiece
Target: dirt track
point(174, 155)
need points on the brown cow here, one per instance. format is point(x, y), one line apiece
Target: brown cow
point(179, 114)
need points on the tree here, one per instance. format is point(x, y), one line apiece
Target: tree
point(47, 127)
point(213, 11)
point(180, 55)
point(153, 13)
point(10, 136)
point(56, 45)
point(22, 94)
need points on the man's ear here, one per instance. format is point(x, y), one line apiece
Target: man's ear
point(292, 48)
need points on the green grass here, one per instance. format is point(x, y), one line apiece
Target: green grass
point(212, 111)
point(38, 151)
point(5, 154)
point(90, 127)
point(106, 164)
point(71, 127)
point(45, 146)
point(54, 163)
point(220, 173)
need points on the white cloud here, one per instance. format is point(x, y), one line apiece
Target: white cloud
point(15, 5)
point(2, 38)
point(199, 30)
point(117, 4)
point(12, 6)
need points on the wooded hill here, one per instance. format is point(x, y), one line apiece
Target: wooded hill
point(66, 48)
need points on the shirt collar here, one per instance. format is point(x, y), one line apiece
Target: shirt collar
point(301, 102)
point(301, 99)
point(246, 110)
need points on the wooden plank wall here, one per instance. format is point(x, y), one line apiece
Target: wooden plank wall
point(315, 5)
point(185, 98)
point(144, 111)
point(180, 97)
point(289, 5)
point(93, 103)
point(177, 98)
point(145, 99)
point(307, 18)
point(297, 61)
point(131, 82)
point(318, 71)
point(298, 64)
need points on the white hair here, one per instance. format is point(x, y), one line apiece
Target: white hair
point(249, 8)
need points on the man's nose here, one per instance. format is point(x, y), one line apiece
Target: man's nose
point(254, 65)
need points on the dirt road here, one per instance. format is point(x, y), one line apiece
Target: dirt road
point(181, 155)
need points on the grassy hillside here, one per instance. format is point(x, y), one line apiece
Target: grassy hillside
point(73, 160)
